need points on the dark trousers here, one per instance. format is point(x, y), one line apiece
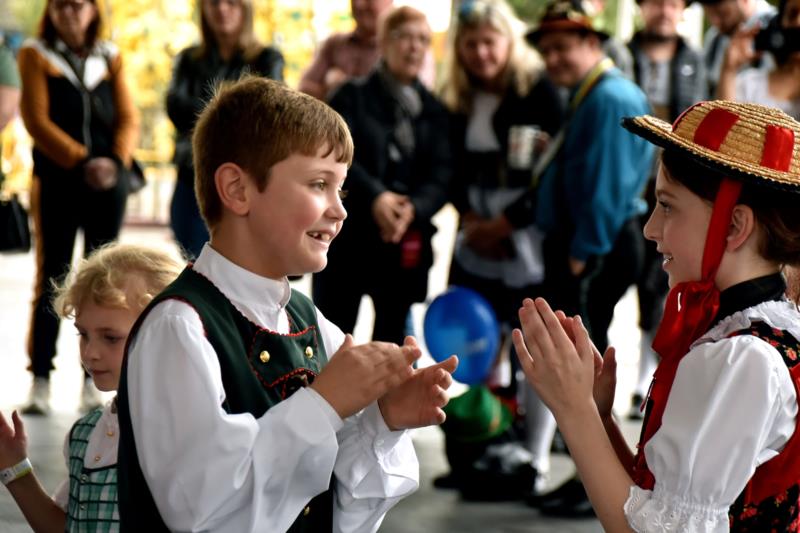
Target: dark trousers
point(60, 205)
point(338, 295)
point(188, 226)
point(594, 294)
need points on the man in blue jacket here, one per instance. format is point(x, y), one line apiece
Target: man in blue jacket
point(590, 195)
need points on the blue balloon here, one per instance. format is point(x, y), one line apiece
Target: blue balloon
point(460, 321)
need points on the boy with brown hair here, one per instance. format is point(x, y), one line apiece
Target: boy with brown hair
point(228, 420)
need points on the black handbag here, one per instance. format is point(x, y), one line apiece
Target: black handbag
point(15, 233)
point(135, 176)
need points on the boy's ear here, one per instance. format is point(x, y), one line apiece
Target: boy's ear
point(743, 225)
point(232, 188)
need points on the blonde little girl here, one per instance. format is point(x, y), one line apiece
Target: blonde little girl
point(104, 294)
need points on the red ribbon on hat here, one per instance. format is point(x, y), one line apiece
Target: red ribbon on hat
point(691, 305)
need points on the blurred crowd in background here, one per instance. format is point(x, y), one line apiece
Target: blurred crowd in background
point(509, 111)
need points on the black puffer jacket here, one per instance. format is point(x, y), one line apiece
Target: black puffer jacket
point(193, 81)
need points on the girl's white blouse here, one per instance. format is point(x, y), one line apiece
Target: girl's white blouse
point(732, 407)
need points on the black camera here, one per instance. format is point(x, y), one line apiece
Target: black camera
point(780, 41)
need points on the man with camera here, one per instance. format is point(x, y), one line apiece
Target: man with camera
point(726, 18)
point(778, 86)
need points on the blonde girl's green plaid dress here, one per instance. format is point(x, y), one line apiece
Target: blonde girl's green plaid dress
point(92, 506)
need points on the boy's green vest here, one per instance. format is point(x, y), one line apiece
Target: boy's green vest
point(259, 369)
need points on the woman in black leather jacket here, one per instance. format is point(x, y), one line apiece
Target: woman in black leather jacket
point(397, 182)
point(227, 50)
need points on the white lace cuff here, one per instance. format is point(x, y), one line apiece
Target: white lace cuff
point(658, 511)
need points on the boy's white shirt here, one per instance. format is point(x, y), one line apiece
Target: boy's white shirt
point(213, 471)
point(101, 451)
point(732, 407)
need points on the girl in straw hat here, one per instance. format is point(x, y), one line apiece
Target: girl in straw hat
point(719, 449)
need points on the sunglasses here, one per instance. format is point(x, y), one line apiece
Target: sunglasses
point(473, 9)
point(75, 5)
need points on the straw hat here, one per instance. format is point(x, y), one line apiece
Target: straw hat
point(753, 143)
point(564, 15)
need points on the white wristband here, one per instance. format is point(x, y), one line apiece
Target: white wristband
point(23, 468)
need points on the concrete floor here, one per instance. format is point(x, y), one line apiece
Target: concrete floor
point(428, 510)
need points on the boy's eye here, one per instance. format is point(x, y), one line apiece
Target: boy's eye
point(343, 194)
point(664, 206)
point(112, 339)
point(320, 185)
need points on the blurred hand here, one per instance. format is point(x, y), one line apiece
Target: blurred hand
point(419, 400)
point(13, 441)
point(487, 236)
point(393, 213)
point(740, 52)
point(576, 266)
point(334, 78)
point(356, 376)
point(542, 142)
point(100, 173)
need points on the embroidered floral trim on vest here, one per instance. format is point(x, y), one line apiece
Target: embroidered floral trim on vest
point(771, 499)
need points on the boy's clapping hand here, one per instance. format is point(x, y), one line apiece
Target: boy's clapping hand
point(419, 400)
point(356, 376)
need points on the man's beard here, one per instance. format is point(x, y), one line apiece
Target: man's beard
point(657, 38)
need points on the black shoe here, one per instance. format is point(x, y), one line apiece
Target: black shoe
point(571, 490)
point(578, 508)
point(502, 473)
point(447, 481)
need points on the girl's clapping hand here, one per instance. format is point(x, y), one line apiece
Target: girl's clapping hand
point(562, 370)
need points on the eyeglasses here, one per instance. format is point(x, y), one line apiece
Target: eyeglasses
point(423, 39)
point(75, 5)
point(232, 3)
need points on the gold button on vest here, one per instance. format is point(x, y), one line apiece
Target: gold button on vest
point(309, 352)
point(264, 356)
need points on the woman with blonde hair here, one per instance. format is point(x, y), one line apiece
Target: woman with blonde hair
point(504, 111)
point(228, 48)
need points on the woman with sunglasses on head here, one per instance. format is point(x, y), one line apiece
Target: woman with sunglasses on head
point(504, 113)
point(78, 110)
point(228, 49)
